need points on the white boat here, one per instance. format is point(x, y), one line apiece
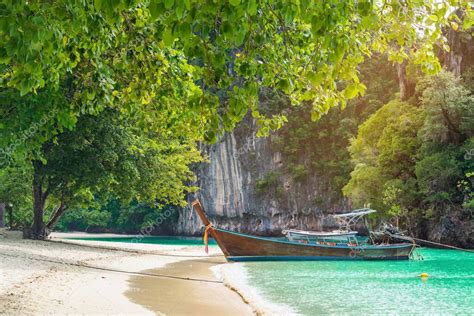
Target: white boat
point(345, 233)
point(302, 235)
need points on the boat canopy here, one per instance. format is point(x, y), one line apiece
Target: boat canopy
point(346, 220)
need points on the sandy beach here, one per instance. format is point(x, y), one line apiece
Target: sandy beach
point(81, 277)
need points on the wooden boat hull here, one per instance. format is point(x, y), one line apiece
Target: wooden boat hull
point(241, 247)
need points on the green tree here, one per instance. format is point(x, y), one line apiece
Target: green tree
point(106, 157)
point(449, 109)
point(113, 216)
point(15, 190)
point(84, 219)
point(438, 174)
point(185, 61)
point(413, 160)
point(444, 160)
point(384, 158)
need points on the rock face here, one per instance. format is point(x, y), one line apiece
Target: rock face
point(242, 189)
point(456, 228)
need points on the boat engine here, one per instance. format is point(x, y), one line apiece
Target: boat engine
point(388, 234)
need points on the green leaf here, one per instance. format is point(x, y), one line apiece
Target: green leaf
point(315, 115)
point(284, 85)
point(155, 9)
point(90, 95)
point(179, 9)
point(169, 4)
point(252, 7)
point(185, 30)
point(240, 37)
point(468, 20)
point(4, 58)
point(316, 24)
point(315, 78)
point(24, 87)
point(98, 4)
point(351, 91)
point(168, 37)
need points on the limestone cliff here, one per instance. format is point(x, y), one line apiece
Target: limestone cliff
point(243, 188)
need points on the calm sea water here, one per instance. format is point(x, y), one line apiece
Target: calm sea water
point(359, 287)
point(371, 287)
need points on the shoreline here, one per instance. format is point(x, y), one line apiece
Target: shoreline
point(207, 295)
point(47, 277)
point(236, 278)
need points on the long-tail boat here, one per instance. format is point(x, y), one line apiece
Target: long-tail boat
point(243, 247)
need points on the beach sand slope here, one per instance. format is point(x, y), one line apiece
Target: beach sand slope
point(43, 277)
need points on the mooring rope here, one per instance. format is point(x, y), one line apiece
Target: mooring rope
point(158, 275)
point(206, 234)
point(442, 245)
point(144, 252)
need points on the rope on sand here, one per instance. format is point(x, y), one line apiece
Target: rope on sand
point(157, 275)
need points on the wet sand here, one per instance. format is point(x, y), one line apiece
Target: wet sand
point(184, 297)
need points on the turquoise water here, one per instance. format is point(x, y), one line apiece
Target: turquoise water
point(357, 287)
point(371, 287)
point(158, 240)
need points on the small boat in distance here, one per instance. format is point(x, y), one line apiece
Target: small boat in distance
point(346, 223)
point(243, 247)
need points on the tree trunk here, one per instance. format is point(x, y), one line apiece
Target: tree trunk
point(37, 230)
point(454, 134)
point(53, 220)
point(461, 49)
point(9, 209)
point(2, 211)
point(39, 198)
point(453, 58)
point(407, 88)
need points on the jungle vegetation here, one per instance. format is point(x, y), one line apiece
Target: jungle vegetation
point(106, 100)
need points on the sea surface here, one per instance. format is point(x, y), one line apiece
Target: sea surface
point(370, 287)
point(351, 287)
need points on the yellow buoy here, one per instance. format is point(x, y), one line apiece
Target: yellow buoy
point(424, 275)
